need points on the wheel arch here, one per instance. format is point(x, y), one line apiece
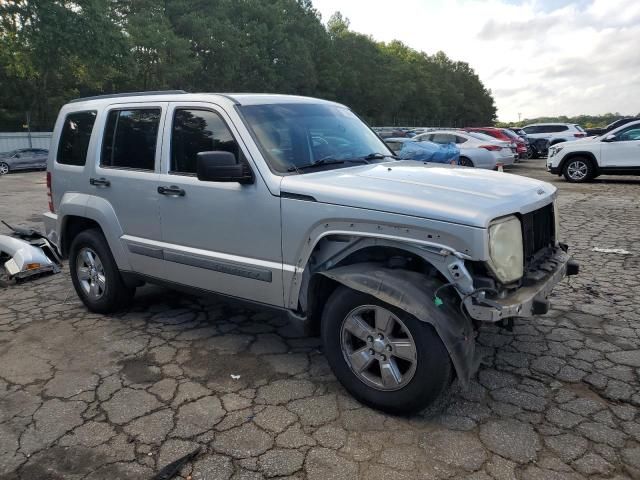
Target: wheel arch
point(583, 154)
point(412, 292)
point(80, 214)
point(400, 274)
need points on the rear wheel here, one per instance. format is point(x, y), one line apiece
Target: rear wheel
point(578, 170)
point(465, 162)
point(95, 275)
point(4, 168)
point(385, 357)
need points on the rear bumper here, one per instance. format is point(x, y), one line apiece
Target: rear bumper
point(529, 300)
point(50, 221)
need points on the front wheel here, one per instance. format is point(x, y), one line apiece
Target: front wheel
point(4, 168)
point(578, 170)
point(95, 275)
point(465, 162)
point(384, 357)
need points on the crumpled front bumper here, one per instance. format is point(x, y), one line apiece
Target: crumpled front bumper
point(530, 300)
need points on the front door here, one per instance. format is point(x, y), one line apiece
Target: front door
point(126, 176)
point(218, 236)
point(624, 151)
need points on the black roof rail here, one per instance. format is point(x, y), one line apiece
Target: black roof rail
point(129, 94)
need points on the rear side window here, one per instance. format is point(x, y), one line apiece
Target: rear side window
point(75, 136)
point(532, 129)
point(197, 131)
point(555, 128)
point(130, 139)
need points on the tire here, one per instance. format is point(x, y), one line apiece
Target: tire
point(95, 275)
point(421, 381)
point(578, 170)
point(4, 168)
point(466, 162)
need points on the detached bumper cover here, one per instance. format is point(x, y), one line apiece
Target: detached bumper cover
point(530, 300)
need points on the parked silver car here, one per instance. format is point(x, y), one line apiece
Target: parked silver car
point(476, 149)
point(294, 203)
point(24, 159)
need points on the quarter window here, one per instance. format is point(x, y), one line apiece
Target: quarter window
point(75, 136)
point(130, 139)
point(197, 131)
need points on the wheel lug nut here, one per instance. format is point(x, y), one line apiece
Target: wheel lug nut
point(380, 336)
point(389, 348)
point(369, 339)
point(371, 351)
point(384, 358)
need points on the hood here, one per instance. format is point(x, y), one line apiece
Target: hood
point(466, 196)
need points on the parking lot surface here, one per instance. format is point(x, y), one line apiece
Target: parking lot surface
point(114, 397)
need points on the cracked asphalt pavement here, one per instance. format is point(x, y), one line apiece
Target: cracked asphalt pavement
point(86, 396)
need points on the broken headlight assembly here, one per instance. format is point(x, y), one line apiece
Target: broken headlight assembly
point(506, 253)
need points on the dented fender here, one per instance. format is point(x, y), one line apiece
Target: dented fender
point(413, 292)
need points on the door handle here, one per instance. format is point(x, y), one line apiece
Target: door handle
point(100, 182)
point(172, 191)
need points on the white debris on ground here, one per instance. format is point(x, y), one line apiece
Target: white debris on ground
point(619, 251)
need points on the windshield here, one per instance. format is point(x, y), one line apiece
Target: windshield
point(296, 135)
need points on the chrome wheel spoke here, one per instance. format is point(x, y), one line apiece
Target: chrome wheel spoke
point(383, 320)
point(361, 359)
point(403, 349)
point(355, 325)
point(83, 273)
point(101, 281)
point(391, 376)
point(94, 290)
point(88, 259)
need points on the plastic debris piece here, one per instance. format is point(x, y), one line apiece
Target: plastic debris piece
point(235, 377)
point(619, 251)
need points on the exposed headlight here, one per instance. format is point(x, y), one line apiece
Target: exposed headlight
point(505, 249)
point(556, 220)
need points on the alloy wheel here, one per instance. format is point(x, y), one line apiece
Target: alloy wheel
point(577, 170)
point(90, 273)
point(4, 168)
point(378, 347)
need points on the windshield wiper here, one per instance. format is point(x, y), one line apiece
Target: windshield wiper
point(331, 161)
point(378, 156)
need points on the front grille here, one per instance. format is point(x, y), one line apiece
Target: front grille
point(537, 234)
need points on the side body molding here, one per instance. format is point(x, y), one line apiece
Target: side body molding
point(412, 292)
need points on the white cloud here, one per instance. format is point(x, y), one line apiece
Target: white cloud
point(536, 57)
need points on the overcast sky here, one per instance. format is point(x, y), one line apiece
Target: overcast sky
point(538, 57)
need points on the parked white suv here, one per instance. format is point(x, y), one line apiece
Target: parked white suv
point(555, 132)
point(617, 152)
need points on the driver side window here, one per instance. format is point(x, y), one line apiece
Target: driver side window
point(629, 134)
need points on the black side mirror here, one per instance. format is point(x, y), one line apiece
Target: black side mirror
point(220, 166)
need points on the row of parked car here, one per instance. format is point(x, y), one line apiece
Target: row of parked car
point(577, 154)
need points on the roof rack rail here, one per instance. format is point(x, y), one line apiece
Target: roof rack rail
point(128, 94)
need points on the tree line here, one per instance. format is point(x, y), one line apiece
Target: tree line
point(54, 50)
point(585, 121)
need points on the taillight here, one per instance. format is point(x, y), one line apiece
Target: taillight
point(579, 134)
point(491, 148)
point(49, 194)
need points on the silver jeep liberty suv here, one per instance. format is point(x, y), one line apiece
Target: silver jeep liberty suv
point(294, 203)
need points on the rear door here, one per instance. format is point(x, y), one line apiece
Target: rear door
point(126, 175)
point(218, 236)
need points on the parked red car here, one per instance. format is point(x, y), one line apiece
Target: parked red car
point(520, 147)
